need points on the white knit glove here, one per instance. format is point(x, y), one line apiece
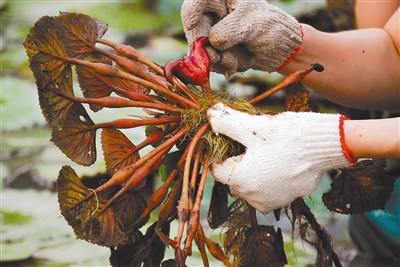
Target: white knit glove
point(243, 34)
point(286, 154)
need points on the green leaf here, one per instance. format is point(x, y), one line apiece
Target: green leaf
point(14, 217)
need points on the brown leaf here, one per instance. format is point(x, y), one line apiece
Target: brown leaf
point(102, 231)
point(105, 229)
point(44, 49)
point(76, 137)
point(118, 150)
point(93, 85)
point(52, 102)
point(297, 99)
point(79, 33)
point(218, 210)
point(130, 86)
point(263, 246)
point(360, 188)
point(147, 251)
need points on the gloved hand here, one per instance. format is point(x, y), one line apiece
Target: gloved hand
point(243, 34)
point(286, 154)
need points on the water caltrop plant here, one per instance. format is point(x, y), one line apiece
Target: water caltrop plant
point(114, 212)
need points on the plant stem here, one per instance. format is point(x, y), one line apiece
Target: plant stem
point(195, 170)
point(131, 123)
point(118, 102)
point(133, 67)
point(158, 196)
point(200, 240)
point(137, 177)
point(108, 70)
point(293, 77)
point(195, 213)
point(122, 175)
point(183, 206)
point(131, 53)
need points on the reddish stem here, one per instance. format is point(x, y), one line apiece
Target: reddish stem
point(181, 86)
point(133, 67)
point(118, 102)
point(195, 213)
point(131, 123)
point(293, 77)
point(137, 177)
point(122, 175)
point(217, 252)
point(131, 53)
point(108, 70)
point(195, 170)
point(200, 240)
point(158, 196)
point(183, 206)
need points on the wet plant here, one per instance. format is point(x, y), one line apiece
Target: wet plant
point(175, 98)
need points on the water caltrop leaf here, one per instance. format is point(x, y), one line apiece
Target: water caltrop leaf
point(106, 228)
point(45, 50)
point(118, 150)
point(102, 231)
point(147, 250)
point(263, 246)
point(79, 33)
point(360, 188)
point(93, 85)
point(218, 211)
point(130, 86)
point(53, 103)
point(297, 98)
point(76, 137)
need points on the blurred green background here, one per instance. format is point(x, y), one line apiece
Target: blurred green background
point(33, 232)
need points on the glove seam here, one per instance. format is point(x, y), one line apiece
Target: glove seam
point(344, 148)
point(295, 52)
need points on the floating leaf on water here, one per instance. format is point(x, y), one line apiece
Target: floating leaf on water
point(360, 188)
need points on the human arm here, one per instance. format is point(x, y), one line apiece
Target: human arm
point(362, 67)
point(375, 138)
point(287, 154)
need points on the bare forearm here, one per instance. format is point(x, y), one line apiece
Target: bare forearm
point(373, 138)
point(362, 67)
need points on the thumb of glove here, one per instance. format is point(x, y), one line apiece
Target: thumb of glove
point(222, 171)
point(231, 123)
